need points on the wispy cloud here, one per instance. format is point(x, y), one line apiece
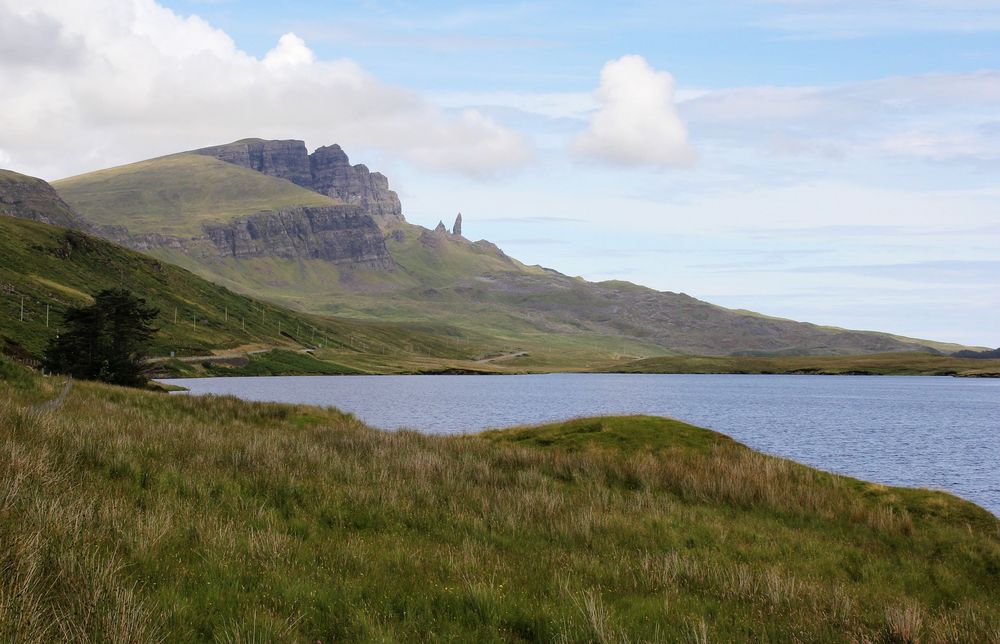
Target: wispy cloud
point(850, 19)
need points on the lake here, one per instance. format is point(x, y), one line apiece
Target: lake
point(934, 432)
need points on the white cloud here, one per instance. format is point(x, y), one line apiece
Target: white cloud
point(121, 80)
point(934, 117)
point(636, 122)
point(291, 51)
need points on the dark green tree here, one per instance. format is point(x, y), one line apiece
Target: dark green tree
point(107, 340)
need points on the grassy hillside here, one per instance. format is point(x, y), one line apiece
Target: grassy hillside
point(137, 516)
point(175, 195)
point(901, 364)
point(51, 268)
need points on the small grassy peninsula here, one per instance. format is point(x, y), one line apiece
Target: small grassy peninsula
point(906, 363)
point(135, 516)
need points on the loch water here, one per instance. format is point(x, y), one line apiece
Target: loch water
point(934, 432)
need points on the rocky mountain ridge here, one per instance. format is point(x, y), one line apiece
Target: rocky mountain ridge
point(341, 234)
point(338, 234)
point(327, 171)
point(26, 197)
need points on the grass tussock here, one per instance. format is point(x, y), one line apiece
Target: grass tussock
point(136, 516)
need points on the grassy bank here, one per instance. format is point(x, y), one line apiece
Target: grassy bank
point(137, 516)
point(880, 364)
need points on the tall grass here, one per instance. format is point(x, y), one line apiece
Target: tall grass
point(134, 516)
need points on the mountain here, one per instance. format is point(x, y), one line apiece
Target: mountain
point(44, 269)
point(314, 232)
point(326, 171)
point(211, 209)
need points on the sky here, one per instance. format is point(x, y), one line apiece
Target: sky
point(834, 161)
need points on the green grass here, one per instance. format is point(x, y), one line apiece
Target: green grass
point(176, 194)
point(139, 516)
point(280, 362)
point(881, 364)
point(56, 268)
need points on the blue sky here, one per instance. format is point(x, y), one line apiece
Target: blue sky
point(827, 160)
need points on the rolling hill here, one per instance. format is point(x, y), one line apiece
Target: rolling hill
point(45, 269)
point(369, 263)
point(178, 194)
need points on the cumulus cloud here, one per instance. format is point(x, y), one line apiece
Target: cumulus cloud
point(636, 122)
point(120, 80)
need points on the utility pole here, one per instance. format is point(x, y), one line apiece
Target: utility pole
point(227, 314)
point(46, 316)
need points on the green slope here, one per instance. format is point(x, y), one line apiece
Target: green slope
point(176, 194)
point(50, 268)
point(136, 516)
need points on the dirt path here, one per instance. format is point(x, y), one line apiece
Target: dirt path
point(506, 356)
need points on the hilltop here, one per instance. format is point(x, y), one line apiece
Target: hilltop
point(355, 255)
point(136, 515)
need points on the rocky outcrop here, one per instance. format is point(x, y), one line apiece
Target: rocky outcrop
point(141, 242)
point(327, 171)
point(285, 159)
point(334, 176)
point(26, 197)
point(457, 228)
point(340, 234)
point(440, 228)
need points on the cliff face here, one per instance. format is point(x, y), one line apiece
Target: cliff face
point(334, 176)
point(26, 197)
point(341, 234)
point(327, 171)
point(338, 234)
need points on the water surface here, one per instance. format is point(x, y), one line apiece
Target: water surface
point(935, 432)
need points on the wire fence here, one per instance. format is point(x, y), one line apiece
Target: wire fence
point(32, 318)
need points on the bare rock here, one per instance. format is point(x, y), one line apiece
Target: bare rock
point(341, 234)
point(286, 159)
point(26, 197)
point(327, 171)
point(334, 176)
